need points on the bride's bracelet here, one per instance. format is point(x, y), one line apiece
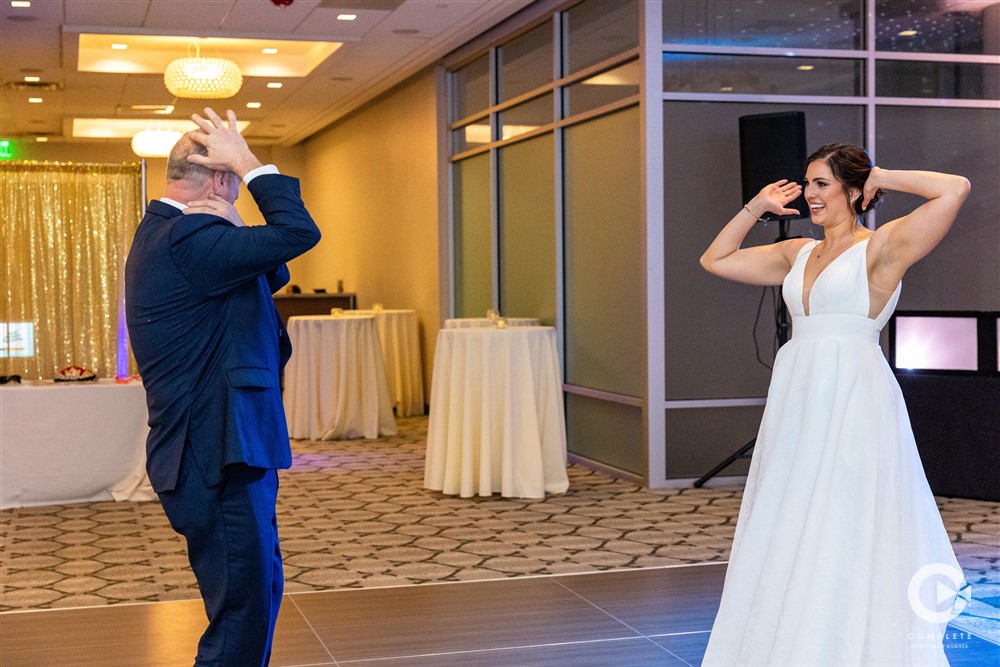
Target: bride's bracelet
point(748, 210)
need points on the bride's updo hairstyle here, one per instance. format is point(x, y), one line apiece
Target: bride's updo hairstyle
point(850, 165)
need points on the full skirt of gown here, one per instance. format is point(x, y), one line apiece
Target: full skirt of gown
point(840, 555)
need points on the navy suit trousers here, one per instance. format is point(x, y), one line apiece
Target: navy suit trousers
point(232, 537)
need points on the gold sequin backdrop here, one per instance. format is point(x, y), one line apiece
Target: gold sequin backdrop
point(65, 229)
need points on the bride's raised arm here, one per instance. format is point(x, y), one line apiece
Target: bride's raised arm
point(759, 265)
point(904, 241)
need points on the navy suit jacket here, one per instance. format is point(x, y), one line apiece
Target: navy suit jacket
point(207, 339)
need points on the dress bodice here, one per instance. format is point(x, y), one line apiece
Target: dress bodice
point(840, 289)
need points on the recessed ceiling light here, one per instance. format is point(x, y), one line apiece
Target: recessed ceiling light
point(269, 51)
point(119, 47)
point(35, 100)
point(346, 17)
point(253, 105)
point(32, 79)
point(20, 3)
point(160, 109)
point(41, 140)
point(726, 89)
point(907, 33)
point(805, 68)
point(274, 84)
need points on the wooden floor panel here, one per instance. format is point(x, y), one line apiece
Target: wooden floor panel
point(415, 620)
point(656, 601)
point(163, 634)
point(688, 646)
point(639, 652)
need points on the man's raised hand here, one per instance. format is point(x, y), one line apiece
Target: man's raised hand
point(227, 149)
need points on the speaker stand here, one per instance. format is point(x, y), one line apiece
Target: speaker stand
point(783, 325)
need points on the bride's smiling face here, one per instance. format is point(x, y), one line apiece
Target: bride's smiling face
point(828, 202)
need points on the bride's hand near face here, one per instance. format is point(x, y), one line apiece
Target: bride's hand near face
point(773, 197)
point(758, 265)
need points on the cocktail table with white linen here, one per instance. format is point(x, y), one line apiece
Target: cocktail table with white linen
point(335, 382)
point(496, 422)
point(400, 337)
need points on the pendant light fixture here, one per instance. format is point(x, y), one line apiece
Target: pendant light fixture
point(195, 77)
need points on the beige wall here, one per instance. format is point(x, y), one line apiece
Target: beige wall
point(370, 182)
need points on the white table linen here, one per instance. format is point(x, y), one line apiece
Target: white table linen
point(400, 337)
point(479, 322)
point(496, 422)
point(335, 382)
point(72, 443)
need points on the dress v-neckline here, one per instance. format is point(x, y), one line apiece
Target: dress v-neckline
point(806, 310)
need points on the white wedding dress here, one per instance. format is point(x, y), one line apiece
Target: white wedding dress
point(837, 516)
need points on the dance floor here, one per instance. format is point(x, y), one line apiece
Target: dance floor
point(635, 618)
point(380, 571)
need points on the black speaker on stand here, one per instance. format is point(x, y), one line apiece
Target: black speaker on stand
point(772, 147)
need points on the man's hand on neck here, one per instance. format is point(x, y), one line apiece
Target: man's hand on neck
point(216, 205)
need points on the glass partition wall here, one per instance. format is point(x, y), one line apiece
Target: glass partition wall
point(914, 81)
point(553, 223)
point(594, 154)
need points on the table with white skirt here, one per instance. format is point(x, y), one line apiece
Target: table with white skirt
point(335, 383)
point(496, 419)
point(399, 334)
point(480, 322)
point(73, 442)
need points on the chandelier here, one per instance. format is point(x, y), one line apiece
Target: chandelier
point(154, 143)
point(200, 78)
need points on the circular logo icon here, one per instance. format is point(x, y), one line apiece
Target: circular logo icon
point(937, 594)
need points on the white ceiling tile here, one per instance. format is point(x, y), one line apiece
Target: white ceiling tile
point(188, 15)
point(266, 18)
point(430, 17)
point(116, 13)
point(30, 39)
point(39, 12)
point(323, 21)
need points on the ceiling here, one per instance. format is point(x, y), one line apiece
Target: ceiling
point(388, 41)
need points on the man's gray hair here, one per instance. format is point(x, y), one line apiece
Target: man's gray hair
point(178, 167)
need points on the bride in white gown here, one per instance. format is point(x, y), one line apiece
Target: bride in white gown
point(837, 519)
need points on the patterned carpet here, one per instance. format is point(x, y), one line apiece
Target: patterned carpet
point(354, 514)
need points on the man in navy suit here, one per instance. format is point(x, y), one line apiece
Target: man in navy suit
point(210, 346)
